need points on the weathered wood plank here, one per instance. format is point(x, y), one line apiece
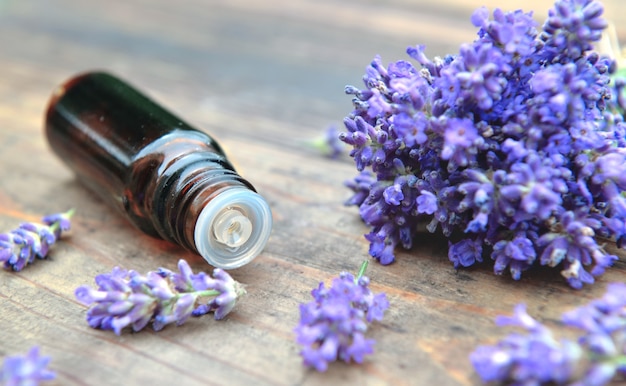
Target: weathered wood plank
point(262, 77)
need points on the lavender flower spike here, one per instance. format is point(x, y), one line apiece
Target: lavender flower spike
point(126, 298)
point(332, 326)
point(20, 246)
point(537, 358)
point(27, 370)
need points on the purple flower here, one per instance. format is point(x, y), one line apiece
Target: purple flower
point(605, 315)
point(497, 146)
point(465, 252)
point(229, 291)
point(332, 326)
point(361, 186)
point(393, 194)
point(609, 168)
point(411, 128)
point(21, 246)
point(518, 254)
point(537, 358)
point(25, 370)
point(572, 27)
point(514, 31)
point(426, 202)
point(460, 142)
point(126, 298)
point(575, 247)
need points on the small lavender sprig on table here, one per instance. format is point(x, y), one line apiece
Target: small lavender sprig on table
point(127, 298)
point(20, 246)
point(329, 144)
point(537, 358)
point(332, 326)
point(25, 370)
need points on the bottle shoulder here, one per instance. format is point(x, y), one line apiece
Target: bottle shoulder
point(174, 151)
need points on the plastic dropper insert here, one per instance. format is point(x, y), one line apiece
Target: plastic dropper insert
point(169, 179)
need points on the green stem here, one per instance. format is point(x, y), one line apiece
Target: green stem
point(619, 360)
point(171, 301)
point(205, 293)
point(70, 213)
point(621, 73)
point(55, 226)
point(361, 270)
point(613, 361)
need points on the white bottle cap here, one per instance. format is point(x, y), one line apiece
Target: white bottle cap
point(233, 228)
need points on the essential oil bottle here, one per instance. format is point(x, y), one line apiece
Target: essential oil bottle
point(169, 179)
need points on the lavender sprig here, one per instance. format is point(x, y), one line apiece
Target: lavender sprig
point(513, 148)
point(126, 298)
point(329, 144)
point(20, 246)
point(537, 358)
point(332, 326)
point(26, 370)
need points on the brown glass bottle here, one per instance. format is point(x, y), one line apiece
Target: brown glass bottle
point(169, 179)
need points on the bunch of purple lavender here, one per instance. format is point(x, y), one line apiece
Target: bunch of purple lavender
point(20, 246)
point(332, 326)
point(537, 358)
point(127, 298)
point(28, 370)
point(513, 148)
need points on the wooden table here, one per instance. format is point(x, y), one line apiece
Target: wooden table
point(264, 77)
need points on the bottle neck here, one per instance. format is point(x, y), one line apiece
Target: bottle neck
point(233, 227)
point(170, 166)
point(211, 210)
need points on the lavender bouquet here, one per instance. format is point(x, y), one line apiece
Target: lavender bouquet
point(513, 148)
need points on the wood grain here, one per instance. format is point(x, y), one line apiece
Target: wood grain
point(263, 77)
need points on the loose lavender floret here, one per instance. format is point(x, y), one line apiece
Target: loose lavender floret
point(126, 298)
point(26, 370)
point(329, 144)
point(332, 326)
point(537, 358)
point(20, 246)
point(513, 148)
